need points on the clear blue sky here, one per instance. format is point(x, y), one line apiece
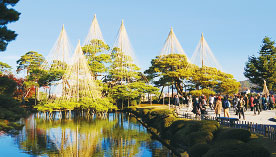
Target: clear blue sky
point(234, 29)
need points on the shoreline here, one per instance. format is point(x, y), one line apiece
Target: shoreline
point(185, 137)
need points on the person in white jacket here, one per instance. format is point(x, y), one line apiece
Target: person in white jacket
point(211, 102)
point(190, 103)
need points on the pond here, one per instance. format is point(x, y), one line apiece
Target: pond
point(116, 134)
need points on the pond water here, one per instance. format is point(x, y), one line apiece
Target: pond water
point(116, 134)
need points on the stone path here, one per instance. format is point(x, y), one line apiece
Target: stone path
point(265, 117)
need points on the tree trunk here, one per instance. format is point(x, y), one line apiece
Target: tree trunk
point(49, 91)
point(38, 94)
point(128, 102)
point(150, 99)
point(197, 87)
point(159, 98)
point(169, 95)
point(178, 87)
point(35, 96)
point(172, 90)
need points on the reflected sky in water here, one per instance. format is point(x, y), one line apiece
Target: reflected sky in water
point(115, 134)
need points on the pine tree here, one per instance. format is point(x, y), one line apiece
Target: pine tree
point(96, 56)
point(7, 15)
point(263, 67)
point(122, 67)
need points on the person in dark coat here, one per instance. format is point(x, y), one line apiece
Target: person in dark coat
point(196, 106)
point(176, 100)
point(271, 102)
point(264, 102)
point(241, 105)
point(256, 103)
point(246, 100)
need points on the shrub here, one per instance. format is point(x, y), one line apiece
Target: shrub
point(169, 120)
point(174, 127)
point(198, 150)
point(145, 111)
point(12, 114)
point(7, 85)
point(194, 132)
point(226, 149)
point(229, 133)
point(200, 137)
point(210, 126)
point(132, 109)
point(133, 102)
point(161, 113)
point(8, 102)
point(157, 124)
point(180, 137)
point(228, 141)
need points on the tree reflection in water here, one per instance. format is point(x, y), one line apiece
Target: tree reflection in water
point(116, 134)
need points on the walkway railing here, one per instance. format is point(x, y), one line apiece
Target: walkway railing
point(266, 130)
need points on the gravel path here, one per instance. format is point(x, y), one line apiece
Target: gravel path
point(265, 117)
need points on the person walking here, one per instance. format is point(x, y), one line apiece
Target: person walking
point(271, 102)
point(267, 101)
point(246, 102)
point(186, 100)
point(190, 103)
point(226, 105)
point(176, 101)
point(264, 102)
point(203, 105)
point(211, 102)
point(256, 105)
point(196, 107)
point(241, 105)
point(260, 102)
point(251, 102)
point(218, 107)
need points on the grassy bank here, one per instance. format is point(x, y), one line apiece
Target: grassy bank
point(198, 138)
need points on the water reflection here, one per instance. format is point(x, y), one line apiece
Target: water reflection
point(115, 134)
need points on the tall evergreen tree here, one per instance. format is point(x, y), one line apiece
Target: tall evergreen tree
point(122, 67)
point(170, 70)
point(96, 56)
point(263, 67)
point(174, 69)
point(29, 61)
point(7, 15)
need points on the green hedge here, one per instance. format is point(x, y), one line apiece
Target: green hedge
point(229, 149)
point(198, 150)
point(230, 133)
point(194, 132)
point(200, 138)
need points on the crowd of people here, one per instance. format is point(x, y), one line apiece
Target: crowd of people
point(240, 103)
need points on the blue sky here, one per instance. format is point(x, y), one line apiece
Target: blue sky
point(233, 29)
